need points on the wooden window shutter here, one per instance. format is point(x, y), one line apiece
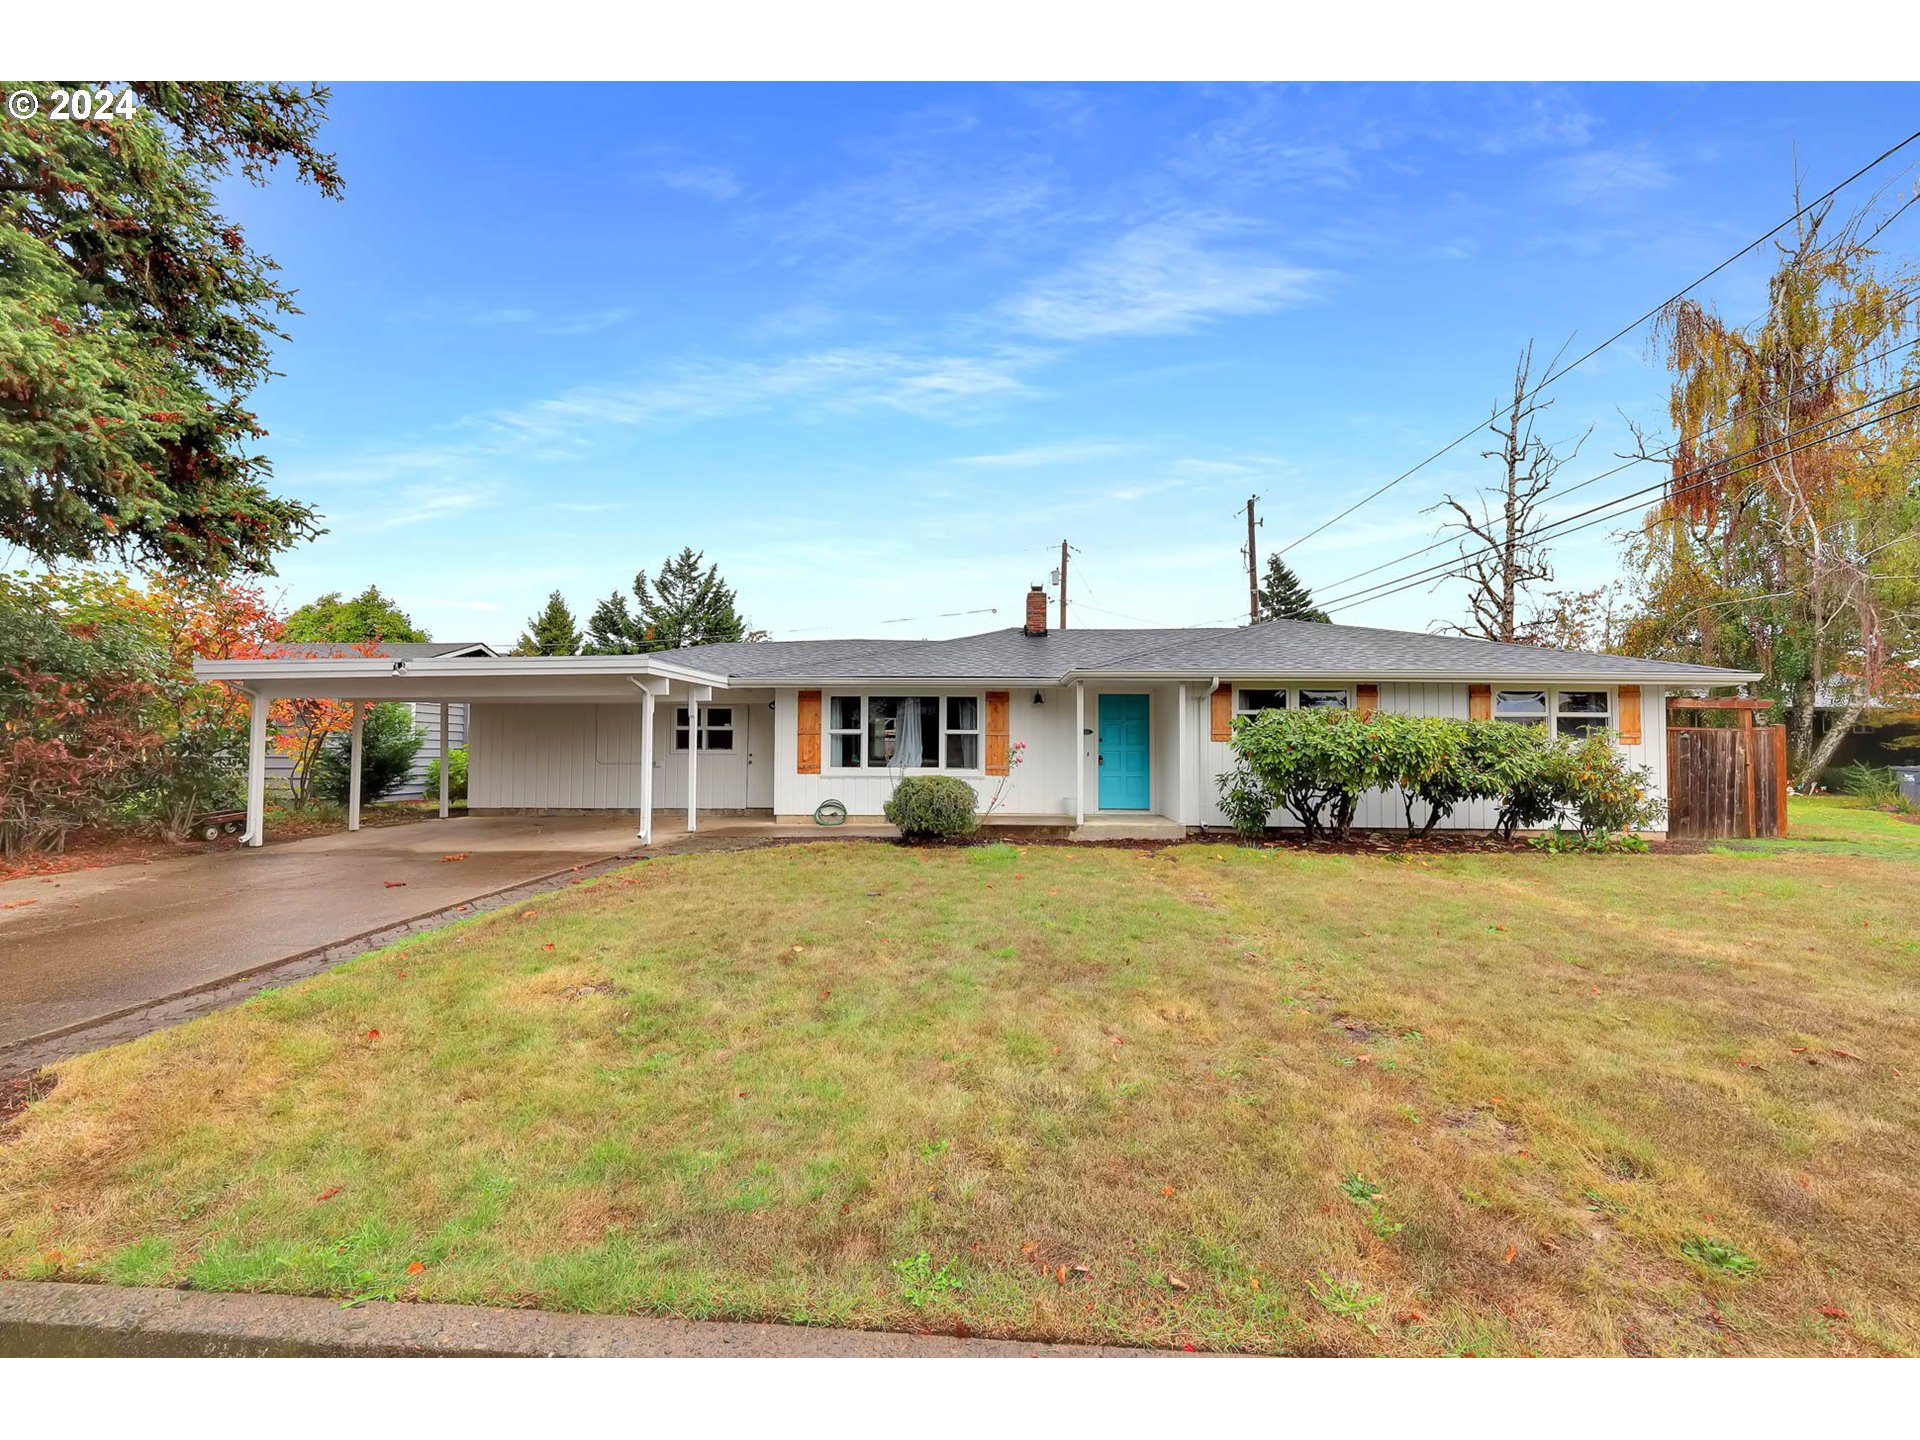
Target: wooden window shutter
point(1479, 702)
point(1223, 712)
point(999, 736)
point(1629, 720)
point(1366, 698)
point(808, 755)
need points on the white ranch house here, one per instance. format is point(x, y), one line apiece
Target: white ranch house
point(1102, 732)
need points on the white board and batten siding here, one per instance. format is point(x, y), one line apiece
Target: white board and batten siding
point(1042, 784)
point(587, 757)
point(1384, 809)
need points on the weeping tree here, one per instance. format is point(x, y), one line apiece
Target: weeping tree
point(1788, 538)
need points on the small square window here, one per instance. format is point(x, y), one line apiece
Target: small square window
point(963, 752)
point(844, 713)
point(845, 751)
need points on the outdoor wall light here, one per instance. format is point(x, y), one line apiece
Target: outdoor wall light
point(1038, 698)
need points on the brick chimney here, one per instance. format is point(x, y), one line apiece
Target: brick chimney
point(1036, 611)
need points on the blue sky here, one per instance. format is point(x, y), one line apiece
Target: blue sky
point(878, 349)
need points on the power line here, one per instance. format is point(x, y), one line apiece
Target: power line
point(1556, 372)
point(1561, 528)
point(1631, 500)
point(1626, 465)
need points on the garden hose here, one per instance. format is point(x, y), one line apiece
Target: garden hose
point(830, 812)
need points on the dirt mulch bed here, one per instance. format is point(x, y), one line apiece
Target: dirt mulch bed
point(19, 1091)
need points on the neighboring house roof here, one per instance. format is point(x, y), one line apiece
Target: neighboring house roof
point(433, 649)
point(1279, 648)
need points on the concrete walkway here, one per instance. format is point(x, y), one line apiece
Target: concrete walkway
point(92, 943)
point(52, 1319)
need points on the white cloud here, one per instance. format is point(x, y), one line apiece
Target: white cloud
point(1158, 279)
point(1590, 174)
point(839, 381)
point(1070, 452)
point(715, 182)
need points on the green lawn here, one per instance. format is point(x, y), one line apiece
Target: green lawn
point(1839, 825)
point(1253, 1100)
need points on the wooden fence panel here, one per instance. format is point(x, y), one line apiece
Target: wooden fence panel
point(1726, 782)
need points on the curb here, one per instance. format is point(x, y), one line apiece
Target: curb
point(56, 1318)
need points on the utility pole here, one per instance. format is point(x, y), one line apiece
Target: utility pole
point(1253, 567)
point(1063, 584)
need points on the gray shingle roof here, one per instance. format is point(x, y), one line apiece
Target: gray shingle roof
point(1280, 649)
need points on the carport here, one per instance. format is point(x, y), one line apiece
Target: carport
point(360, 680)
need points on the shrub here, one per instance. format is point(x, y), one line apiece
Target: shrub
point(1245, 801)
point(1429, 759)
point(1316, 763)
point(1607, 795)
point(1518, 766)
point(1872, 783)
point(456, 776)
point(928, 807)
point(389, 746)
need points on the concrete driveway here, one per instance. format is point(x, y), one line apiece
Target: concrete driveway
point(94, 942)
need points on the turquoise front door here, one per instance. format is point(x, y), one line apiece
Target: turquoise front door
point(1126, 763)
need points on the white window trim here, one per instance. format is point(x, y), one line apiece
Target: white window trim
point(678, 747)
point(830, 732)
point(1293, 694)
point(1607, 720)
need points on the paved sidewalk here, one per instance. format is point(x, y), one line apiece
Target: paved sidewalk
point(50, 1319)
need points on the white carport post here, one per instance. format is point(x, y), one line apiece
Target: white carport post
point(354, 751)
point(445, 765)
point(256, 768)
point(1080, 752)
point(650, 688)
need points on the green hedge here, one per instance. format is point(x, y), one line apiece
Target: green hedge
point(456, 777)
point(933, 807)
point(1316, 764)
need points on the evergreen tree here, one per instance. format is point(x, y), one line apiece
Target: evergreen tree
point(1283, 597)
point(389, 744)
point(684, 603)
point(368, 616)
point(134, 320)
point(551, 632)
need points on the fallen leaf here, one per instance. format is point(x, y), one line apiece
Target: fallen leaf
point(327, 1194)
point(1833, 1312)
point(547, 946)
point(415, 1268)
point(16, 904)
point(1253, 1282)
point(527, 914)
point(1060, 1276)
point(1512, 1250)
point(446, 859)
point(1167, 1190)
point(1177, 1283)
point(394, 884)
point(1843, 1054)
point(1029, 1247)
point(1408, 1317)
point(826, 994)
point(373, 1034)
